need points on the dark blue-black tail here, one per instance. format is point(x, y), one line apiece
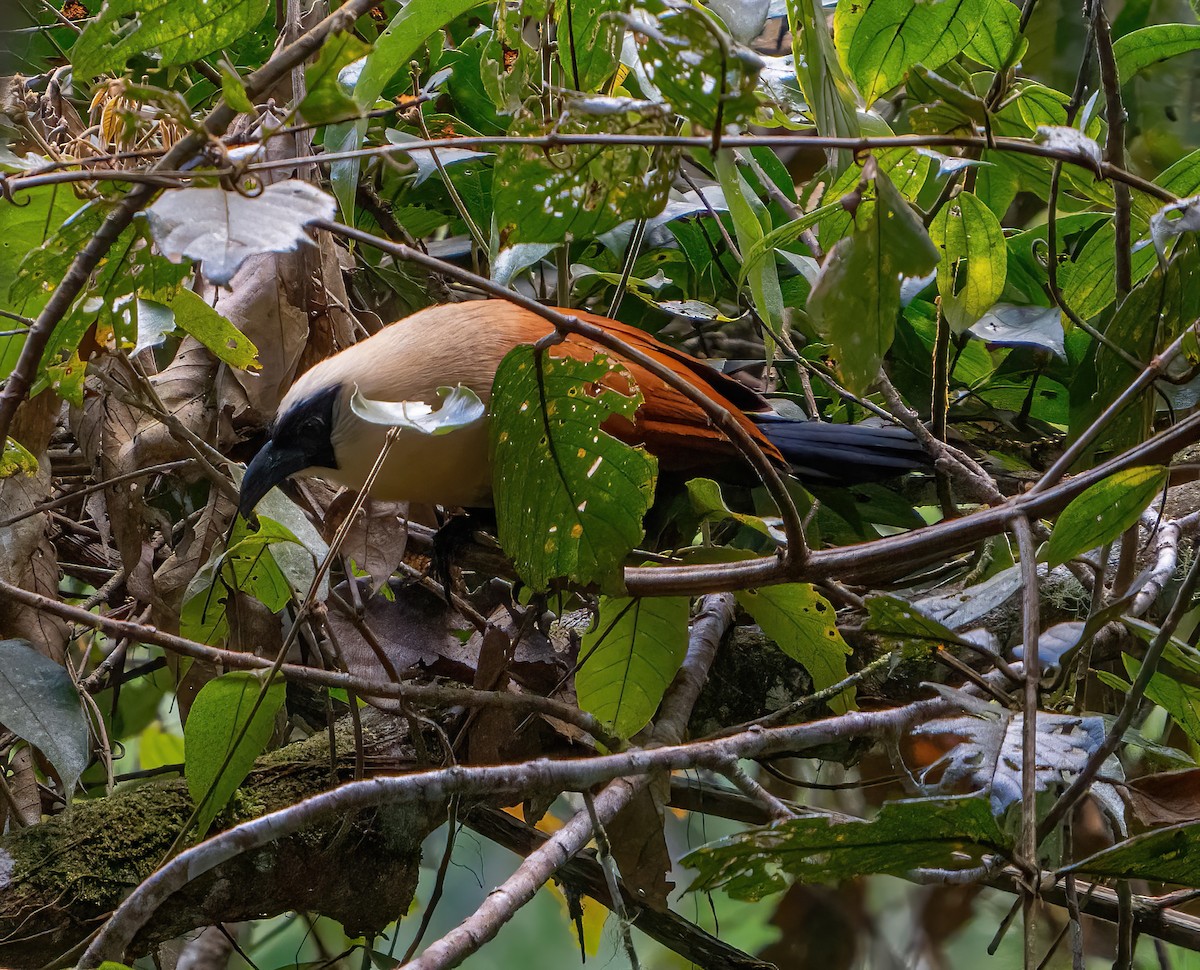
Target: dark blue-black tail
point(821, 453)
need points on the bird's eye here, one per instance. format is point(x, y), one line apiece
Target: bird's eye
point(311, 426)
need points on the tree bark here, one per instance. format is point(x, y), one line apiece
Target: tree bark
point(62, 877)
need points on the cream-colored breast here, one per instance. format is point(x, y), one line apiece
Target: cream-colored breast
point(408, 361)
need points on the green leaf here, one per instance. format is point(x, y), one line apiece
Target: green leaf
point(630, 658)
point(16, 459)
point(826, 87)
point(569, 496)
point(779, 237)
point(589, 40)
point(180, 30)
point(815, 848)
point(157, 747)
point(193, 315)
point(224, 706)
point(880, 40)
point(802, 622)
point(40, 703)
point(974, 263)
point(327, 100)
point(998, 42)
point(1103, 512)
point(1088, 282)
point(234, 91)
point(856, 298)
point(132, 266)
point(249, 565)
point(894, 617)
point(25, 230)
point(1155, 312)
point(750, 221)
point(412, 25)
point(549, 194)
point(709, 504)
point(716, 88)
point(905, 168)
point(1177, 698)
point(1151, 45)
point(1169, 854)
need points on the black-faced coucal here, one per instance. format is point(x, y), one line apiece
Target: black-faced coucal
point(315, 431)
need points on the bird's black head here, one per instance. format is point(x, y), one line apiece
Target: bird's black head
point(300, 438)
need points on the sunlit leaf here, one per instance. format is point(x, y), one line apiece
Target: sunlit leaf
point(880, 40)
point(544, 195)
point(180, 31)
point(223, 229)
point(700, 71)
point(1022, 326)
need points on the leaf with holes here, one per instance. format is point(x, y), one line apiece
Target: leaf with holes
point(697, 67)
point(802, 623)
point(569, 496)
point(180, 30)
point(589, 40)
point(227, 343)
point(40, 703)
point(1103, 512)
point(630, 658)
point(544, 195)
point(988, 757)
point(220, 712)
point(905, 835)
point(856, 298)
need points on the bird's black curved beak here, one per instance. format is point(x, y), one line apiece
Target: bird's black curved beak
point(270, 466)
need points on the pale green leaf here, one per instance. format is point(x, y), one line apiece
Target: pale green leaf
point(1140, 49)
point(802, 622)
point(1103, 512)
point(630, 658)
point(215, 763)
point(974, 259)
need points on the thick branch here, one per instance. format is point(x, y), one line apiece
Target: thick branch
point(66, 874)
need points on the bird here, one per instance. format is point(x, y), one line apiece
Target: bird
point(315, 431)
